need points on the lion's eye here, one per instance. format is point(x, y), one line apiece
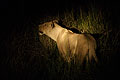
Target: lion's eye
point(40, 32)
point(52, 25)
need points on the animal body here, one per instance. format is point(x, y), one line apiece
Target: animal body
point(72, 46)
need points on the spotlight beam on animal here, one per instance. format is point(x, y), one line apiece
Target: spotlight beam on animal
point(72, 46)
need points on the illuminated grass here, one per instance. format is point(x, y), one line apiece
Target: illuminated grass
point(91, 21)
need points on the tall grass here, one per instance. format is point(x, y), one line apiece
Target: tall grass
point(91, 21)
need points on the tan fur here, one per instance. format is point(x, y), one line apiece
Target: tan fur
point(71, 46)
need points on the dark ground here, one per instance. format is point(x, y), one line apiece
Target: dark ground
point(20, 50)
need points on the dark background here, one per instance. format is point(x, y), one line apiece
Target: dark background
point(16, 11)
point(15, 14)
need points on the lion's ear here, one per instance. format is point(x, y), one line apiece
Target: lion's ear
point(55, 21)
